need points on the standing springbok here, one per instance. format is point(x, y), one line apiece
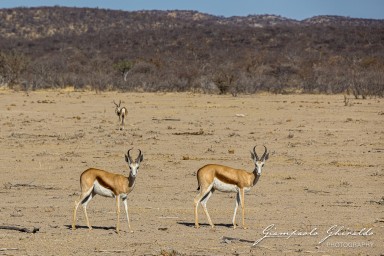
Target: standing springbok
point(213, 177)
point(121, 112)
point(98, 182)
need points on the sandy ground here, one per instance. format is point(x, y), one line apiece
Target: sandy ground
point(325, 172)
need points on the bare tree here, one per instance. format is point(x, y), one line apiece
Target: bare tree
point(12, 66)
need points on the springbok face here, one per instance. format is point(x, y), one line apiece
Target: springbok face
point(259, 162)
point(133, 165)
point(118, 108)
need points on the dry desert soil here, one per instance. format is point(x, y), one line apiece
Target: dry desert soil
point(320, 193)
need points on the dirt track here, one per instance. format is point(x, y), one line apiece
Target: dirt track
point(326, 168)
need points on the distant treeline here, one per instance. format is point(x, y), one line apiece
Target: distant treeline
point(188, 51)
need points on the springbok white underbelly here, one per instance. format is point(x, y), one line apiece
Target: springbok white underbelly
point(100, 190)
point(224, 187)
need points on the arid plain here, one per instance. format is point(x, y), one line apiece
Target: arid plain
point(325, 172)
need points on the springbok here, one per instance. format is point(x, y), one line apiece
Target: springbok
point(213, 177)
point(98, 182)
point(121, 112)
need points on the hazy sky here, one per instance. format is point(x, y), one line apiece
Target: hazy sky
point(296, 9)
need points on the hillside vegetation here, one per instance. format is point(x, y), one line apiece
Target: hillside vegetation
point(56, 47)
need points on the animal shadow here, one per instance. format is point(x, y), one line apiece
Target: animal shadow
point(93, 227)
point(192, 224)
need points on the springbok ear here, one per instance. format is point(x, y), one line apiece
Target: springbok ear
point(141, 157)
point(253, 156)
point(266, 157)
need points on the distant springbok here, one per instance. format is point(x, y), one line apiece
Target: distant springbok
point(121, 112)
point(213, 177)
point(98, 182)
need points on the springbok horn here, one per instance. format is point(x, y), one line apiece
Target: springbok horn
point(129, 156)
point(265, 153)
point(254, 152)
point(138, 157)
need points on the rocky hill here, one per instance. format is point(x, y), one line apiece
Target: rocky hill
point(47, 21)
point(188, 50)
